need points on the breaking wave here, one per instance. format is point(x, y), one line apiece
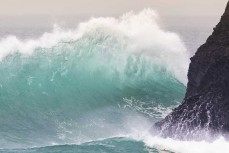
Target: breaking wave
point(96, 87)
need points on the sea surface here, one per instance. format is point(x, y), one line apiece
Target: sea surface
point(96, 85)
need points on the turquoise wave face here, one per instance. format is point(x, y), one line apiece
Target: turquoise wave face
point(108, 78)
point(61, 94)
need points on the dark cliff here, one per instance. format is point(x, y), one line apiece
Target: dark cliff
point(206, 103)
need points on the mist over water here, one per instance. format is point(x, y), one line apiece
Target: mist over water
point(97, 87)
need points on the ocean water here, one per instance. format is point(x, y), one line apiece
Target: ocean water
point(95, 87)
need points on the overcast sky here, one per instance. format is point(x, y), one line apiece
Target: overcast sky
point(111, 7)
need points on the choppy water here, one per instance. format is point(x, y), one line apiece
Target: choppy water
point(96, 88)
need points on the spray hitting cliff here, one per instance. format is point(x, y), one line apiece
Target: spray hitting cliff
point(206, 104)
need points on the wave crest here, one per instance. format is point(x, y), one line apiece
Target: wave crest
point(131, 33)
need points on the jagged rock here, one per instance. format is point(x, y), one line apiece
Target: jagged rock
point(206, 103)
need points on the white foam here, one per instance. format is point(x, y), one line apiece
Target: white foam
point(141, 132)
point(138, 33)
point(218, 146)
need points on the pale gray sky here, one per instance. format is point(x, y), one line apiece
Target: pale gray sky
point(110, 7)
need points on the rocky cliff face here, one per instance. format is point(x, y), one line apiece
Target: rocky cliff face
point(206, 104)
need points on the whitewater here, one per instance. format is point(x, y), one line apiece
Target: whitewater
point(96, 88)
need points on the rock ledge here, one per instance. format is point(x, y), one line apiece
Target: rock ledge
point(206, 103)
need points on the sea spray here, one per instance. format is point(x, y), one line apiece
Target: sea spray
point(137, 34)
